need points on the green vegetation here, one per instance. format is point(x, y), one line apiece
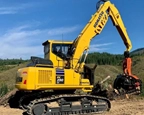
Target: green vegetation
point(142, 94)
point(8, 71)
point(6, 67)
point(11, 61)
point(3, 89)
point(6, 64)
point(104, 58)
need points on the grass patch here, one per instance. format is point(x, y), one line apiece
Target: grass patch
point(6, 67)
point(8, 76)
point(3, 89)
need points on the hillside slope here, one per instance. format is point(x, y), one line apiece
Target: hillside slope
point(138, 67)
point(105, 70)
point(9, 76)
point(138, 51)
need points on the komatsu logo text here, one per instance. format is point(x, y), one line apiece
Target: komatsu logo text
point(97, 21)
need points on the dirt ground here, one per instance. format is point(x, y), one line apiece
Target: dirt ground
point(126, 107)
point(120, 107)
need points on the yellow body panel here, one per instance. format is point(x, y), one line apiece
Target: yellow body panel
point(40, 78)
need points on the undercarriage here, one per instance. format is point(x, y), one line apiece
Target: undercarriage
point(49, 103)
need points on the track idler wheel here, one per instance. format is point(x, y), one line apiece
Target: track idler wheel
point(39, 109)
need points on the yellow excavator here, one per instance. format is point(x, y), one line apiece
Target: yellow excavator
point(47, 85)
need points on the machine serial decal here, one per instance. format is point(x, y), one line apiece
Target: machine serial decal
point(59, 76)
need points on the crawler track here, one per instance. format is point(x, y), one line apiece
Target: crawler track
point(67, 104)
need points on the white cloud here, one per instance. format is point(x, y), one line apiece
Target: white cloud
point(13, 10)
point(24, 41)
point(9, 10)
point(62, 30)
point(99, 47)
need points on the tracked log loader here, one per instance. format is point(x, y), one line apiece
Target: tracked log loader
point(47, 85)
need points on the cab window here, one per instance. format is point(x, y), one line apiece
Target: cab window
point(46, 50)
point(60, 49)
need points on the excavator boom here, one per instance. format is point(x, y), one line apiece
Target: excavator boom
point(95, 27)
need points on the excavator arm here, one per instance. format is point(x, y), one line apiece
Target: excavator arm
point(95, 27)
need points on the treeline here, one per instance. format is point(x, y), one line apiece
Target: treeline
point(11, 61)
point(105, 58)
point(95, 57)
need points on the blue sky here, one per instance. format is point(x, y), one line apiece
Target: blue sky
point(26, 24)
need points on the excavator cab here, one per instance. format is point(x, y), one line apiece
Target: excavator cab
point(57, 51)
